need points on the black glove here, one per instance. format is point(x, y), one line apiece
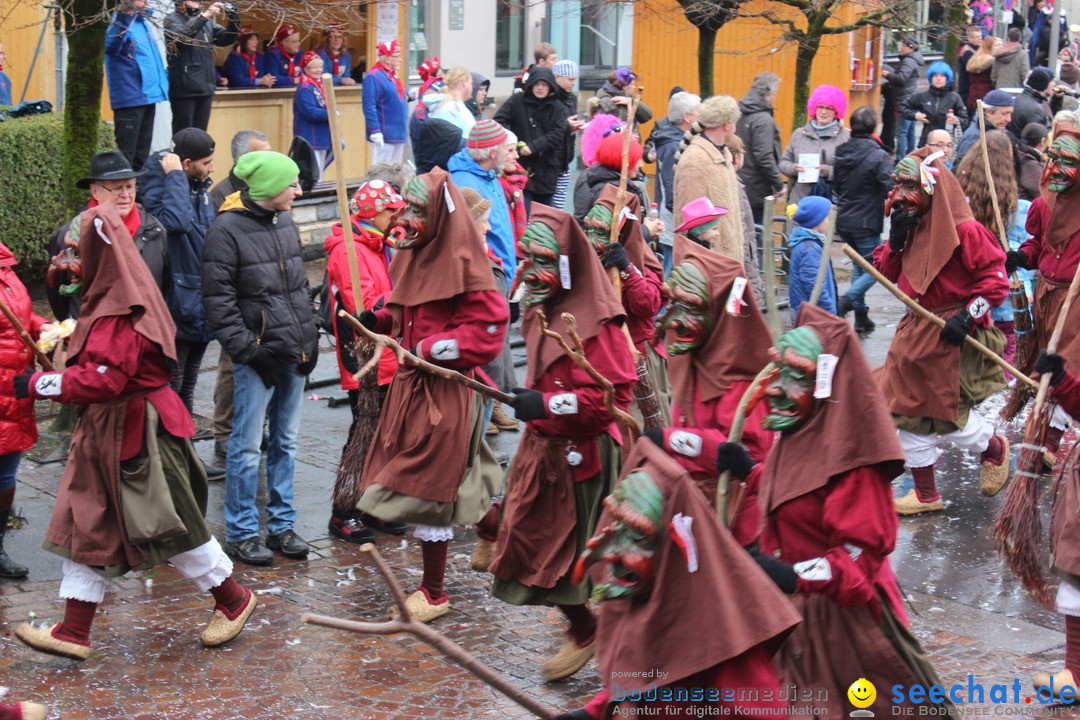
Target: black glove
point(1015, 259)
point(270, 370)
point(22, 385)
point(1054, 365)
point(576, 715)
point(515, 312)
point(308, 365)
point(901, 225)
point(367, 319)
point(778, 571)
point(734, 457)
point(657, 436)
point(528, 404)
point(957, 328)
point(616, 256)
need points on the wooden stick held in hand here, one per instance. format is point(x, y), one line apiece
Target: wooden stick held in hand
point(931, 317)
point(405, 357)
point(42, 359)
point(342, 194)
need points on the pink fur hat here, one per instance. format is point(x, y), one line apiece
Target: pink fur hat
point(829, 96)
point(594, 133)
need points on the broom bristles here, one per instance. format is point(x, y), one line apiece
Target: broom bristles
point(1018, 525)
point(1019, 395)
point(348, 482)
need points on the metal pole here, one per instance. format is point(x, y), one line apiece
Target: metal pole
point(1055, 40)
point(37, 49)
point(58, 58)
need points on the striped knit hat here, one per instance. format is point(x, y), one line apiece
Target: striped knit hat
point(565, 68)
point(486, 134)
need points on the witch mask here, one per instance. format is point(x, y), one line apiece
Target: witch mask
point(687, 318)
point(791, 395)
point(1062, 164)
point(541, 271)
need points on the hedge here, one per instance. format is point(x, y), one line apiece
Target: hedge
point(31, 196)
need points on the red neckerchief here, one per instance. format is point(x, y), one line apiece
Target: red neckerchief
point(133, 221)
point(392, 76)
point(317, 85)
point(250, 60)
point(290, 58)
point(334, 61)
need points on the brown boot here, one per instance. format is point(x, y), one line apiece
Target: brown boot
point(567, 661)
point(503, 421)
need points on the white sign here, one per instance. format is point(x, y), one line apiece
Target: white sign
point(809, 162)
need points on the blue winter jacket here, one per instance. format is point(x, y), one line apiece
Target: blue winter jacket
point(238, 71)
point(310, 120)
point(133, 65)
point(5, 89)
point(806, 245)
point(186, 212)
point(465, 172)
point(385, 111)
point(344, 64)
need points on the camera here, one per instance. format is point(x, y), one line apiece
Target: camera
point(228, 7)
point(1067, 91)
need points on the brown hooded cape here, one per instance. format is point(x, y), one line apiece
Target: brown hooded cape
point(630, 235)
point(118, 283)
point(591, 300)
point(691, 621)
point(1064, 207)
point(738, 346)
point(935, 239)
point(850, 429)
point(451, 258)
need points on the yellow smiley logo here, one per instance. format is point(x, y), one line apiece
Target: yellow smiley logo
point(862, 693)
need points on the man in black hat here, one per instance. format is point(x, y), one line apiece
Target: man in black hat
point(111, 181)
point(1031, 105)
point(176, 191)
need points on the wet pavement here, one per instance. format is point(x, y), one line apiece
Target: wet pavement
point(146, 660)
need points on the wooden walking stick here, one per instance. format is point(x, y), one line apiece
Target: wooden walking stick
point(624, 175)
point(768, 264)
point(931, 317)
point(1022, 321)
point(347, 482)
point(753, 395)
point(577, 354)
point(42, 359)
point(405, 357)
point(405, 623)
point(1018, 525)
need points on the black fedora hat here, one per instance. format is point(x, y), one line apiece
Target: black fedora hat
point(108, 166)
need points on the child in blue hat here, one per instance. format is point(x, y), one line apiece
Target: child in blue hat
point(806, 244)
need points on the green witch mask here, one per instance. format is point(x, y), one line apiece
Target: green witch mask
point(541, 271)
point(413, 219)
point(791, 395)
point(687, 318)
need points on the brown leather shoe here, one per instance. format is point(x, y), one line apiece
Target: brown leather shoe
point(483, 554)
point(910, 504)
point(993, 476)
point(221, 629)
point(42, 640)
point(503, 421)
point(567, 661)
point(421, 608)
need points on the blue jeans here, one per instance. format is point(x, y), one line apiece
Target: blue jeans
point(9, 465)
point(252, 403)
point(905, 137)
point(861, 281)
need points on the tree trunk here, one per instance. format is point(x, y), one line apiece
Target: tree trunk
point(804, 63)
point(706, 52)
point(956, 19)
point(82, 94)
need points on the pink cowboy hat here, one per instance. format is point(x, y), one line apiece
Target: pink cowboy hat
point(698, 212)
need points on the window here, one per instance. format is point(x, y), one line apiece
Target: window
point(510, 37)
point(600, 22)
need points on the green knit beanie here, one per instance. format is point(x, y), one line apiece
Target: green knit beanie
point(266, 172)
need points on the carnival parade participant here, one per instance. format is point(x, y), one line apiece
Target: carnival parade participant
point(660, 554)
point(428, 463)
point(829, 523)
point(372, 210)
point(1054, 249)
point(941, 257)
point(642, 284)
point(569, 457)
point(134, 492)
point(717, 342)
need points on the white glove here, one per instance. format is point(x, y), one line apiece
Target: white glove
point(376, 139)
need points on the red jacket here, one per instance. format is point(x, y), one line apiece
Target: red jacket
point(18, 428)
point(371, 263)
point(642, 298)
point(1059, 265)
